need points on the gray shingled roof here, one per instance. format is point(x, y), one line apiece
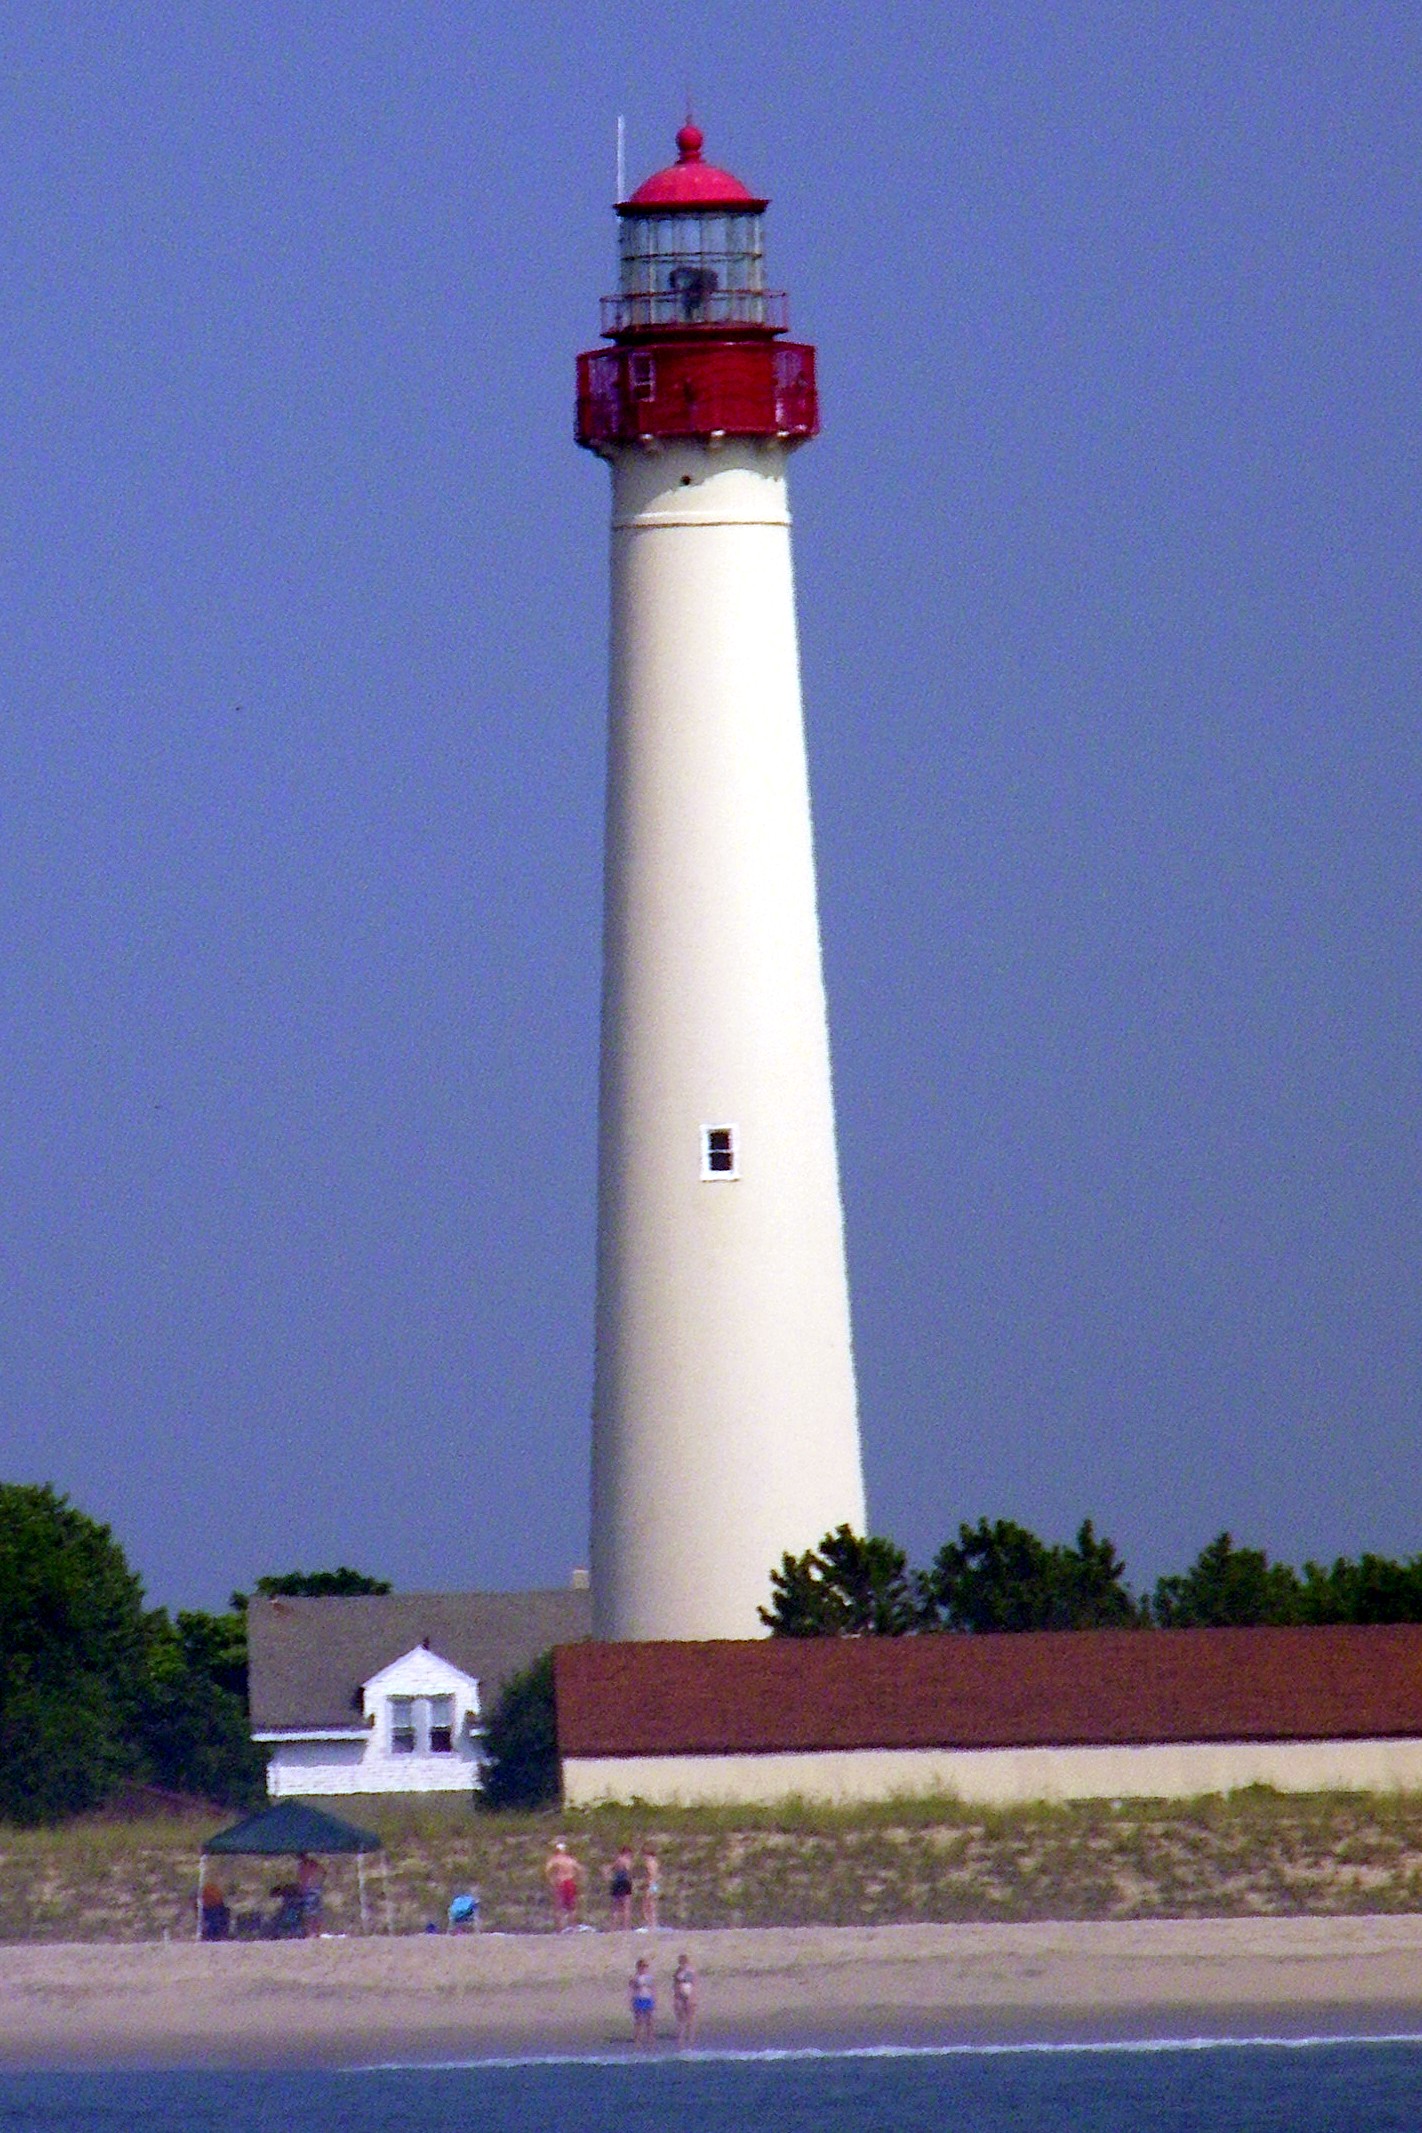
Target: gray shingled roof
point(308, 1658)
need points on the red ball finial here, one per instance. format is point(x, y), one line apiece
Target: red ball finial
point(689, 141)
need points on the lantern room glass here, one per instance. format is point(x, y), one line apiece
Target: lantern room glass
point(693, 269)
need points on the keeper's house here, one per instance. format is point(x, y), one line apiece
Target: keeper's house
point(388, 1692)
point(993, 1719)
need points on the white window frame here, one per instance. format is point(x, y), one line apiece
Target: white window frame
point(424, 1712)
point(642, 375)
point(720, 1176)
point(412, 1728)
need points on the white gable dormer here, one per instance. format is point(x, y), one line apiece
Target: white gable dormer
point(423, 1713)
point(420, 1733)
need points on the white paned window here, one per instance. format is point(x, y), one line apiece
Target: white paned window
point(441, 1725)
point(719, 1154)
point(642, 376)
point(402, 1725)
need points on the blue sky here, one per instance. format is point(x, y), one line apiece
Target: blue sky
point(1109, 577)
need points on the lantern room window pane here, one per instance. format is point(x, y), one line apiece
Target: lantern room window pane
point(689, 269)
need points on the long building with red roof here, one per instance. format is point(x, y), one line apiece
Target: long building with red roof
point(1055, 1715)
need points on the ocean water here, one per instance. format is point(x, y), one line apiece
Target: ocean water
point(1234, 2086)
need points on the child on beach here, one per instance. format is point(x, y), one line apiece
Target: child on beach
point(651, 1867)
point(684, 2001)
point(310, 1880)
point(643, 1995)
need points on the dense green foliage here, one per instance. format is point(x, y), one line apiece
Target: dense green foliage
point(849, 1586)
point(95, 1690)
point(72, 1658)
point(1001, 1576)
point(521, 1741)
point(1226, 1585)
point(216, 1645)
point(1373, 1589)
point(193, 1731)
point(340, 1584)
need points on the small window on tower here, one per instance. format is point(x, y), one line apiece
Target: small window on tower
point(642, 377)
point(718, 1152)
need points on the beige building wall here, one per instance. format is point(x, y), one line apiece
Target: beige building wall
point(997, 1777)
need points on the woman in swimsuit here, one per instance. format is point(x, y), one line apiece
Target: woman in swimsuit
point(620, 1890)
point(684, 2001)
point(651, 1867)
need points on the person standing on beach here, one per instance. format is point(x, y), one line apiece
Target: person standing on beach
point(563, 1873)
point(620, 1890)
point(651, 1867)
point(684, 2001)
point(310, 1880)
point(643, 1995)
point(216, 1918)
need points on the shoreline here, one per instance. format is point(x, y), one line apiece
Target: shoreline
point(439, 2000)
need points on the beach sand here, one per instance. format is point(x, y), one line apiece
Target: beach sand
point(354, 2002)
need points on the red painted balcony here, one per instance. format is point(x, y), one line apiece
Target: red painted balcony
point(704, 388)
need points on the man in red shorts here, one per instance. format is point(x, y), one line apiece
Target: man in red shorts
point(563, 1873)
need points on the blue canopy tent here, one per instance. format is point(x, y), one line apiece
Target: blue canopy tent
point(290, 1830)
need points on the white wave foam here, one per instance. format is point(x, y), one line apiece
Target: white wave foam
point(721, 2055)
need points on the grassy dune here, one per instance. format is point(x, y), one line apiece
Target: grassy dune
point(1251, 1854)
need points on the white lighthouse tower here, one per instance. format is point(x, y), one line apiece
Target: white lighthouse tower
point(724, 1416)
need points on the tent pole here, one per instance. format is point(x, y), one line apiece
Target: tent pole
point(360, 1882)
point(202, 1880)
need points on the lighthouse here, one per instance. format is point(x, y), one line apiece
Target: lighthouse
point(725, 1427)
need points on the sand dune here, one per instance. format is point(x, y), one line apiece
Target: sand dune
point(352, 2001)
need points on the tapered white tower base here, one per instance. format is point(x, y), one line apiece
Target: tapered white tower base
point(725, 1427)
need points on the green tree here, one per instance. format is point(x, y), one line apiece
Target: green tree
point(216, 1645)
point(1003, 1577)
point(1228, 1587)
point(95, 1690)
point(1372, 1589)
point(1093, 1585)
point(73, 1658)
point(521, 1741)
point(193, 1731)
point(852, 1585)
point(313, 1585)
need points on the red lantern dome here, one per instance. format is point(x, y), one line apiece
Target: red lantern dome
point(690, 182)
